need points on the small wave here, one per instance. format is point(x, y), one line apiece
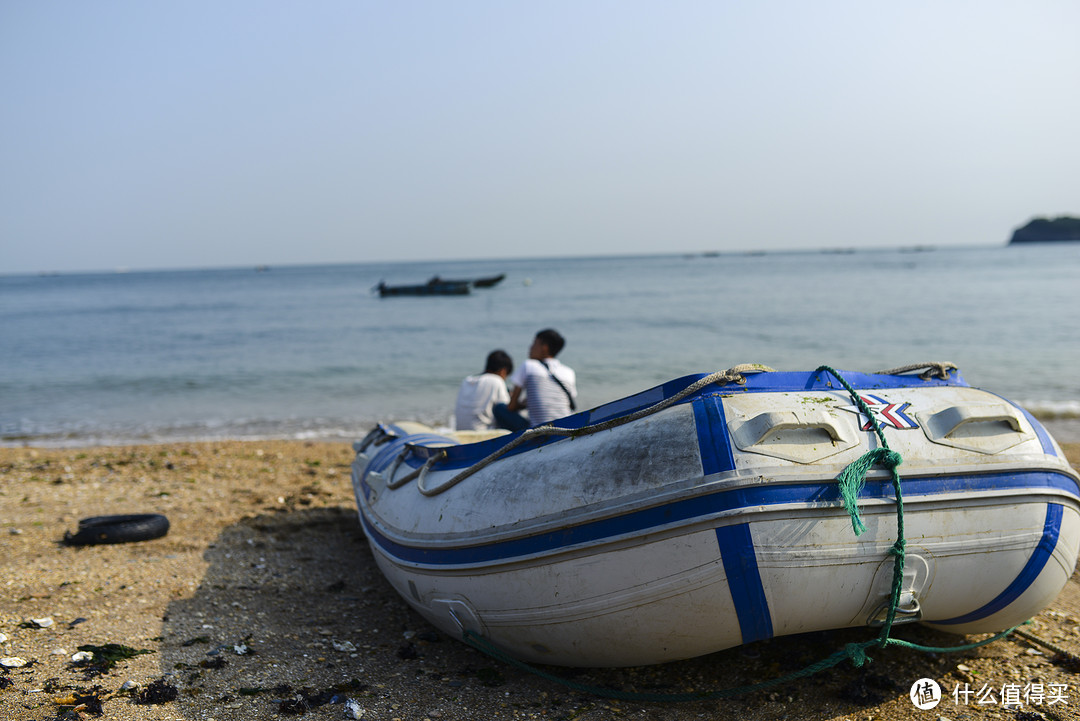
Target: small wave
point(1052, 410)
point(84, 433)
point(211, 430)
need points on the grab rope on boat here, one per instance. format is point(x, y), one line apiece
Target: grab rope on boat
point(850, 483)
point(737, 374)
point(933, 369)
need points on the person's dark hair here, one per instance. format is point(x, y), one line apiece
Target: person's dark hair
point(498, 360)
point(554, 341)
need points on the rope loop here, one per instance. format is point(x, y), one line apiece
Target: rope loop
point(390, 482)
point(377, 436)
point(931, 369)
point(418, 475)
point(422, 474)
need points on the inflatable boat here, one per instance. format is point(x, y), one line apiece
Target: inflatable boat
point(705, 513)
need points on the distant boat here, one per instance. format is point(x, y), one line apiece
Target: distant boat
point(485, 282)
point(490, 281)
point(432, 287)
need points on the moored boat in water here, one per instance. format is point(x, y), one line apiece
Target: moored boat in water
point(440, 286)
point(432, 287)
point(489, 281)
point(705, 513)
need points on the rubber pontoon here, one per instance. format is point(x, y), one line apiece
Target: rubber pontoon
point(704, 513)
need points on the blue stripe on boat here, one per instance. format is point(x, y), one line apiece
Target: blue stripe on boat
point(703, 507)
point(1027, 576)
point(1044, 437)
point(713, 443)
point(744, 582)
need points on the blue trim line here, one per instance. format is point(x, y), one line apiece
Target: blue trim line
point(744, 582)
point(1044, 436)
point(713, 443)
point(703, 507)
point(1027, 576)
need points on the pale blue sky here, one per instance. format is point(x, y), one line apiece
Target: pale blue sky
point(200, 134)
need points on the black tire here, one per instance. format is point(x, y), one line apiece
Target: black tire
point(118, 529)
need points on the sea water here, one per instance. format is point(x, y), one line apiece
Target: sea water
point(312, 352)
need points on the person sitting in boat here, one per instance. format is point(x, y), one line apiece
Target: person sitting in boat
point(478, 394)
point(549, 386)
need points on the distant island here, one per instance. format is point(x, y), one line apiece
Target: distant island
point(1044, 230)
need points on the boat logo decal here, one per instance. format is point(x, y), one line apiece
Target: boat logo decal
point(890, 415)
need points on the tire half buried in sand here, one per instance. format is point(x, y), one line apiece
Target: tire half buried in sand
point(118, 529)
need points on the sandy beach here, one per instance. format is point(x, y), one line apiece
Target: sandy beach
point(263, 601)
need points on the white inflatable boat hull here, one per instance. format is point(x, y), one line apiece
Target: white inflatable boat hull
point(717, 521)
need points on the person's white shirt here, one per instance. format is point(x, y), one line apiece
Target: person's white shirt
point(546, 399)
point(477, 395)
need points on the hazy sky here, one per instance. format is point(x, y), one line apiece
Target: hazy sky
point(198, 134)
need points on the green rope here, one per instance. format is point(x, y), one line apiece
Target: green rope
point(854, 652)
point(850, 483)
point(853, 478)
point(952, 649)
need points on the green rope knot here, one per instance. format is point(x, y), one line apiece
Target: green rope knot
point(852, 479)
point(888, 457)
point(856, 653)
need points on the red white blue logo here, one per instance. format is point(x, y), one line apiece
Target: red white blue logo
point(888, 414)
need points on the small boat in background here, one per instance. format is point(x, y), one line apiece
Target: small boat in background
point(485, 282)
point(705, 513)
point(490, 281)
point(440, 286)
point(432, 287)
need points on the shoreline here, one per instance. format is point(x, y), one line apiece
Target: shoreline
point(1065, 429)
point(264, 594)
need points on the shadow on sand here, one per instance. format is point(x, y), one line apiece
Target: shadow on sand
point(293, 616)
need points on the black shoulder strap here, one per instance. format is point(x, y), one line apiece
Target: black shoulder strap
point(573, 406)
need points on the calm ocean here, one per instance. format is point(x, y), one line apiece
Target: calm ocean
point(311, 352)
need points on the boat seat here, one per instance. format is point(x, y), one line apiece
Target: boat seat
point(466, 437)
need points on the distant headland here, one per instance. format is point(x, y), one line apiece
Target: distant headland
point(1045, 230)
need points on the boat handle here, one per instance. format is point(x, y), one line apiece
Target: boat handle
point(753, 431)
point(944, 424)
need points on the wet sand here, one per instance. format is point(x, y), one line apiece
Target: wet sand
point(264, 600)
